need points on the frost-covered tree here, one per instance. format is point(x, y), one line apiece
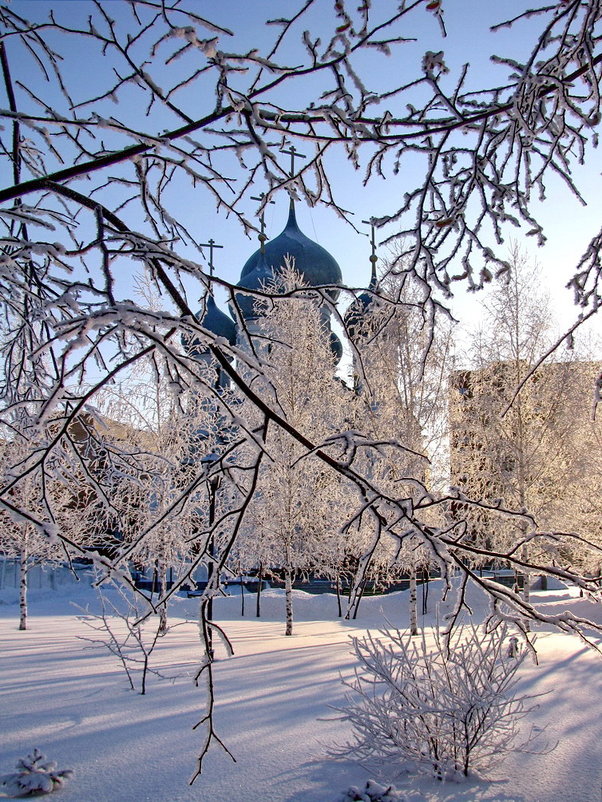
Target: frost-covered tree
point(527, 448)
point(55, 494)
point(580, 510)
point(402, 367)
point(22, 541)
point(170, 509)
point(295, 518)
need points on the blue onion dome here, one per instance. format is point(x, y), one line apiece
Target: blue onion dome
point(336, 347)
point(316, 266)
point(260, 278)
point(212, 318)
point(357, 316)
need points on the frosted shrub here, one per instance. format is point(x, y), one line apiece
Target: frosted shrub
point(35, 776)
point(445, 708)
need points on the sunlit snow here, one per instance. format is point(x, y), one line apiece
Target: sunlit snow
point(273, 696)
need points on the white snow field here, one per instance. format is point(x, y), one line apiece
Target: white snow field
point(73, 703)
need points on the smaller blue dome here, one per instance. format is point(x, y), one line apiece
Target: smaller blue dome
point(356, 317)
point(212, 318)
point(217, 321)
point(259, 278)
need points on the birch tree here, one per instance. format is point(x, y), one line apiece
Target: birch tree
point(70, 512)
point(527, 450)
point(403, 389)
point(295, 520)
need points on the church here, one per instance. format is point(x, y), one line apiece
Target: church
point(316, 268)
point(304, 484)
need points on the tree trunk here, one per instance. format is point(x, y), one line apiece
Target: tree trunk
point(288, 590)
point(413, 602)
point(144, 673)
point(425, 591)
point(22, 590)
point(163, 608)
point(359, 598)
point(338, 590)
point(259, 583)
point(526, 581)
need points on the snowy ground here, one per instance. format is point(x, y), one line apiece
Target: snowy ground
point(72, 702)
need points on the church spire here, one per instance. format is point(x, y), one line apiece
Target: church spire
point(294, 154)
point(262, 237)
point(373, 256)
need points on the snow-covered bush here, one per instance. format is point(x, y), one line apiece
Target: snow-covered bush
point(373, 792)
point(35, 776)
point(446, 707)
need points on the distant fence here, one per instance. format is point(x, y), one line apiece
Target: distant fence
point(45, 576)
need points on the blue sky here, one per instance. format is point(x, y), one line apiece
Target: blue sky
point(567, 224)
